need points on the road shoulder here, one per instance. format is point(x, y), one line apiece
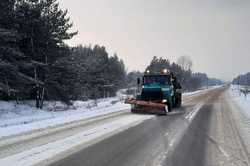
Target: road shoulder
point(224, 143)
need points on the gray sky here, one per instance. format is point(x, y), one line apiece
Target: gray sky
point(214, 33)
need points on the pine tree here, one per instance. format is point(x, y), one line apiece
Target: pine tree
point(43, 27)
point(12, 60)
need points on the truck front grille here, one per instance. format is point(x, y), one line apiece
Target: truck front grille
point(152, 95)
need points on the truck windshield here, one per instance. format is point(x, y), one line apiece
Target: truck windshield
point(161, 79)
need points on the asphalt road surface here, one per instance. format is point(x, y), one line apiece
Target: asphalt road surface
point(202, 132)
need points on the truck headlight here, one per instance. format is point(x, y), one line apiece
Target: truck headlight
point(164, 101)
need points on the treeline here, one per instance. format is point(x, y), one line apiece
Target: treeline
point(90, 73)
point(242, 79)
point(189, 80)
point(35, 62)
point(204, 80)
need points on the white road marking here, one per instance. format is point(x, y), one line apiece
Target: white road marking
point(223, 152)
point(172, 142)
point(190, 116)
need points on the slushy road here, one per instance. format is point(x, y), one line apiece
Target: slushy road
point(202, 132)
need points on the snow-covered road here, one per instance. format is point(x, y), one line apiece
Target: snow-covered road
point(54, 138)
point(70, 144)
point(23, 118)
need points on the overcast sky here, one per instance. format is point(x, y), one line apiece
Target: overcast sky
point(214, 33)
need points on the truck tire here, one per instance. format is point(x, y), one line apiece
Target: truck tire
point(174, 102)
point(170, 106)
point(178, 100)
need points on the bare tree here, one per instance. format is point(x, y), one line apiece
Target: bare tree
point(185, 62)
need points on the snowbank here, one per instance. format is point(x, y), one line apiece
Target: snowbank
point(202, 90)
point(241, 112)
point(15, 119)
point(242, 100)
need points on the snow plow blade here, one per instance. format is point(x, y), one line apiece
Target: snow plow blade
point(140, 106)
point(145, 103)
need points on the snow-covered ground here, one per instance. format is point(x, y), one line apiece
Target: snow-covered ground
point(240, 105)
point(242, 100)
point(15, 119)
point(204, 89)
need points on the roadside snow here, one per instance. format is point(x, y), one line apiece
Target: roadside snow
point(240, 105)
point(16, 119)
point(51, 151)
point(202, 90)
point(241, 100)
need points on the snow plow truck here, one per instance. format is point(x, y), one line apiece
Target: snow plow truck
point(158, 93)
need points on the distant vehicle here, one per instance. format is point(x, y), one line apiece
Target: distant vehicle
point(158, 93)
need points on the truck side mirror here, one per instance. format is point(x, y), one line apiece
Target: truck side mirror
point(138, 81)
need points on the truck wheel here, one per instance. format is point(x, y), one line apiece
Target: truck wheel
point(179, 100)
point(179, 103)
point(170, 106)
point(174, 102)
